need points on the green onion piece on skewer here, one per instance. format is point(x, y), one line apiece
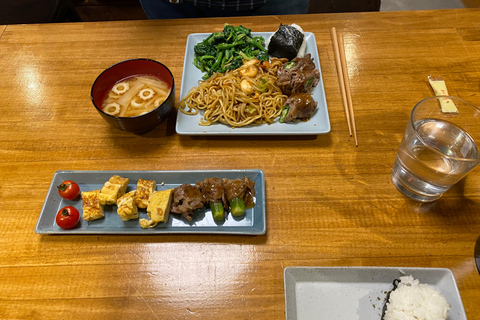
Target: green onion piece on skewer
point(289, 65)
point(217, 211)
point(237, 207)
point(309, 82)
point(284, 113)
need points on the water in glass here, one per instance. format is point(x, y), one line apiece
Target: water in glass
point(430, 162)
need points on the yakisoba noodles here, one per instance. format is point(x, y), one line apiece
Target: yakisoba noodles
point(240, 97)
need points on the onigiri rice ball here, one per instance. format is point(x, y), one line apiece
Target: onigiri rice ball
point(287, 42)
point(412, 300)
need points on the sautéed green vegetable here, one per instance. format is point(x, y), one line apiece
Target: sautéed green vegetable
point(222, 51)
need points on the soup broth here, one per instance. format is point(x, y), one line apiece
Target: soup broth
point(135, 96)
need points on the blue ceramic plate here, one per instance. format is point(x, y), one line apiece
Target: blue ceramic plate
point(252, 223)
point(189, 125)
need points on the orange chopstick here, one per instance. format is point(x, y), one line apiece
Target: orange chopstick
point(340, 78)
point(340, 51)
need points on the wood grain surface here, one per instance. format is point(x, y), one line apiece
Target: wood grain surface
point(328, 203)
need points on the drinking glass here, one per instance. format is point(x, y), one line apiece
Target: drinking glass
point(477, 254)
point(438, 149)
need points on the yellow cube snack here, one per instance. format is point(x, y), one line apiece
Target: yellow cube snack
point(158, 208)
point(127, 209)
point(92, 208)
point(144, 189)
point(113, 189)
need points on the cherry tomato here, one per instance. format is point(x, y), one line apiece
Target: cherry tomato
point(67, 217)
point(68, 190)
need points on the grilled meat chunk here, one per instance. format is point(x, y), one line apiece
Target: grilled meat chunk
point(213, 190)
point(234, 188)
point(186, 199)
point(238, 188)
point(240, 195)
point(213, 194)
point(301, 107)
point(298, 76)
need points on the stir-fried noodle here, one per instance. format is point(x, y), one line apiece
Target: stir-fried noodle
point(240, 97)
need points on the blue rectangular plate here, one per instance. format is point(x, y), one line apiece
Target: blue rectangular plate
point(357, 293)
point(189, 125)
point(253, 223)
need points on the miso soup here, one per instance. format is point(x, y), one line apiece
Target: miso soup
point(136, 95)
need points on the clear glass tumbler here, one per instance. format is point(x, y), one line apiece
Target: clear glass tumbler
point(439, 148)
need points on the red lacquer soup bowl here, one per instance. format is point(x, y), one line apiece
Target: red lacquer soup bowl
point(146, 121)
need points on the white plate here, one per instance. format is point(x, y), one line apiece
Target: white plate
point(189, 125)
point(352, 293)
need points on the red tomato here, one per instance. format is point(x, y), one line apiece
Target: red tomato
point(67, 217)
point(68, 190)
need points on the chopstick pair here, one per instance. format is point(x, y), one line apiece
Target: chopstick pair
point(344, 82)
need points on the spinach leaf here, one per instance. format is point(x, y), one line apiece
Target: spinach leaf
point(222, 51)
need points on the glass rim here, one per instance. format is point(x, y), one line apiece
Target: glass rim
point(428, 145)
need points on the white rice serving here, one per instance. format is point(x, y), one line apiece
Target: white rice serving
point(303, 47)
point(412, 300)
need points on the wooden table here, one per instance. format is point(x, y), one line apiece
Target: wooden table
point(328, 203)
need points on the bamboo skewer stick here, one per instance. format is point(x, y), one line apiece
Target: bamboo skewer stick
point(340, 78)
point(341, 53)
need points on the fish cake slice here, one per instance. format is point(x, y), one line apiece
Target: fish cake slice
point(144, 189)
point(92, 208)
point(113, 189)
point(127, 210)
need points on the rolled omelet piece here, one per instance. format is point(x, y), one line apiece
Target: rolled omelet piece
point(113, 189)
point(127, 210)
point(92, 208)
point(158, 208)
point(144, 189)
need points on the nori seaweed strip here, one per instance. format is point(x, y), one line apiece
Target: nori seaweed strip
point(387, 298)
point(285, 42)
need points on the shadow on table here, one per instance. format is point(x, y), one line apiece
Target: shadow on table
point(160, 238)
point(450, 205)
point(167, 129)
